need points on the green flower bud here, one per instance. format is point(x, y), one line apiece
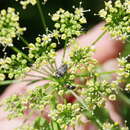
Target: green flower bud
point(2, 77)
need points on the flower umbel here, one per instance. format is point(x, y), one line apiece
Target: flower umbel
point(69, 24)
point(25, 3)
point(117, 18)
point(9, 26)
point(66, 114)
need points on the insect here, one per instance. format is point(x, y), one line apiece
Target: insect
point(128, 58)
point(60, 72)
point(71, 87)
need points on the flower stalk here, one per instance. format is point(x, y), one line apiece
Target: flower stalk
point(41, 15)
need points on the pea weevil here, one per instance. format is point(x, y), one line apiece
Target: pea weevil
point(60, 72)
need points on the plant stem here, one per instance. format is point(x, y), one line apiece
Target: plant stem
point(18, 51)
point(23, 40)
point(81, 101)
point(108, 72)
point(41, 14)
point(124, 98)
point(64, 51)
point(99, 37)
point(52, 125)
point(58, 126)
point(78, 98)
point(7, 82)
point(99, 123)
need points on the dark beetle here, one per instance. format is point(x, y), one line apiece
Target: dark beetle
point(128, 58)
point(60, 72)
point(71, 87)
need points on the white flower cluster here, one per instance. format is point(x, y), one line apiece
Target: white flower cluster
point(95, 93)
point(81, 59)
point(9, 26)
point(124, 72)
point(25, 3)
point(13, 67)
point(124, 68)
point(117, 18)
point(69, 24)
point(113, 126)
point(72, 112)
point(2, 77)
point(43, 51)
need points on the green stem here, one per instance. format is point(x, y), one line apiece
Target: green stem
point(124, 98)
point(99, 37)
point(7, 82)
point(41, 14)
point(63, 57)
point(108, 72)
point(23, 40)
point(52, 125)
point(78, 98)
point(18, 51)
point(64, 51)
point(99, 123)
point(58, 126)
point(82, 103)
